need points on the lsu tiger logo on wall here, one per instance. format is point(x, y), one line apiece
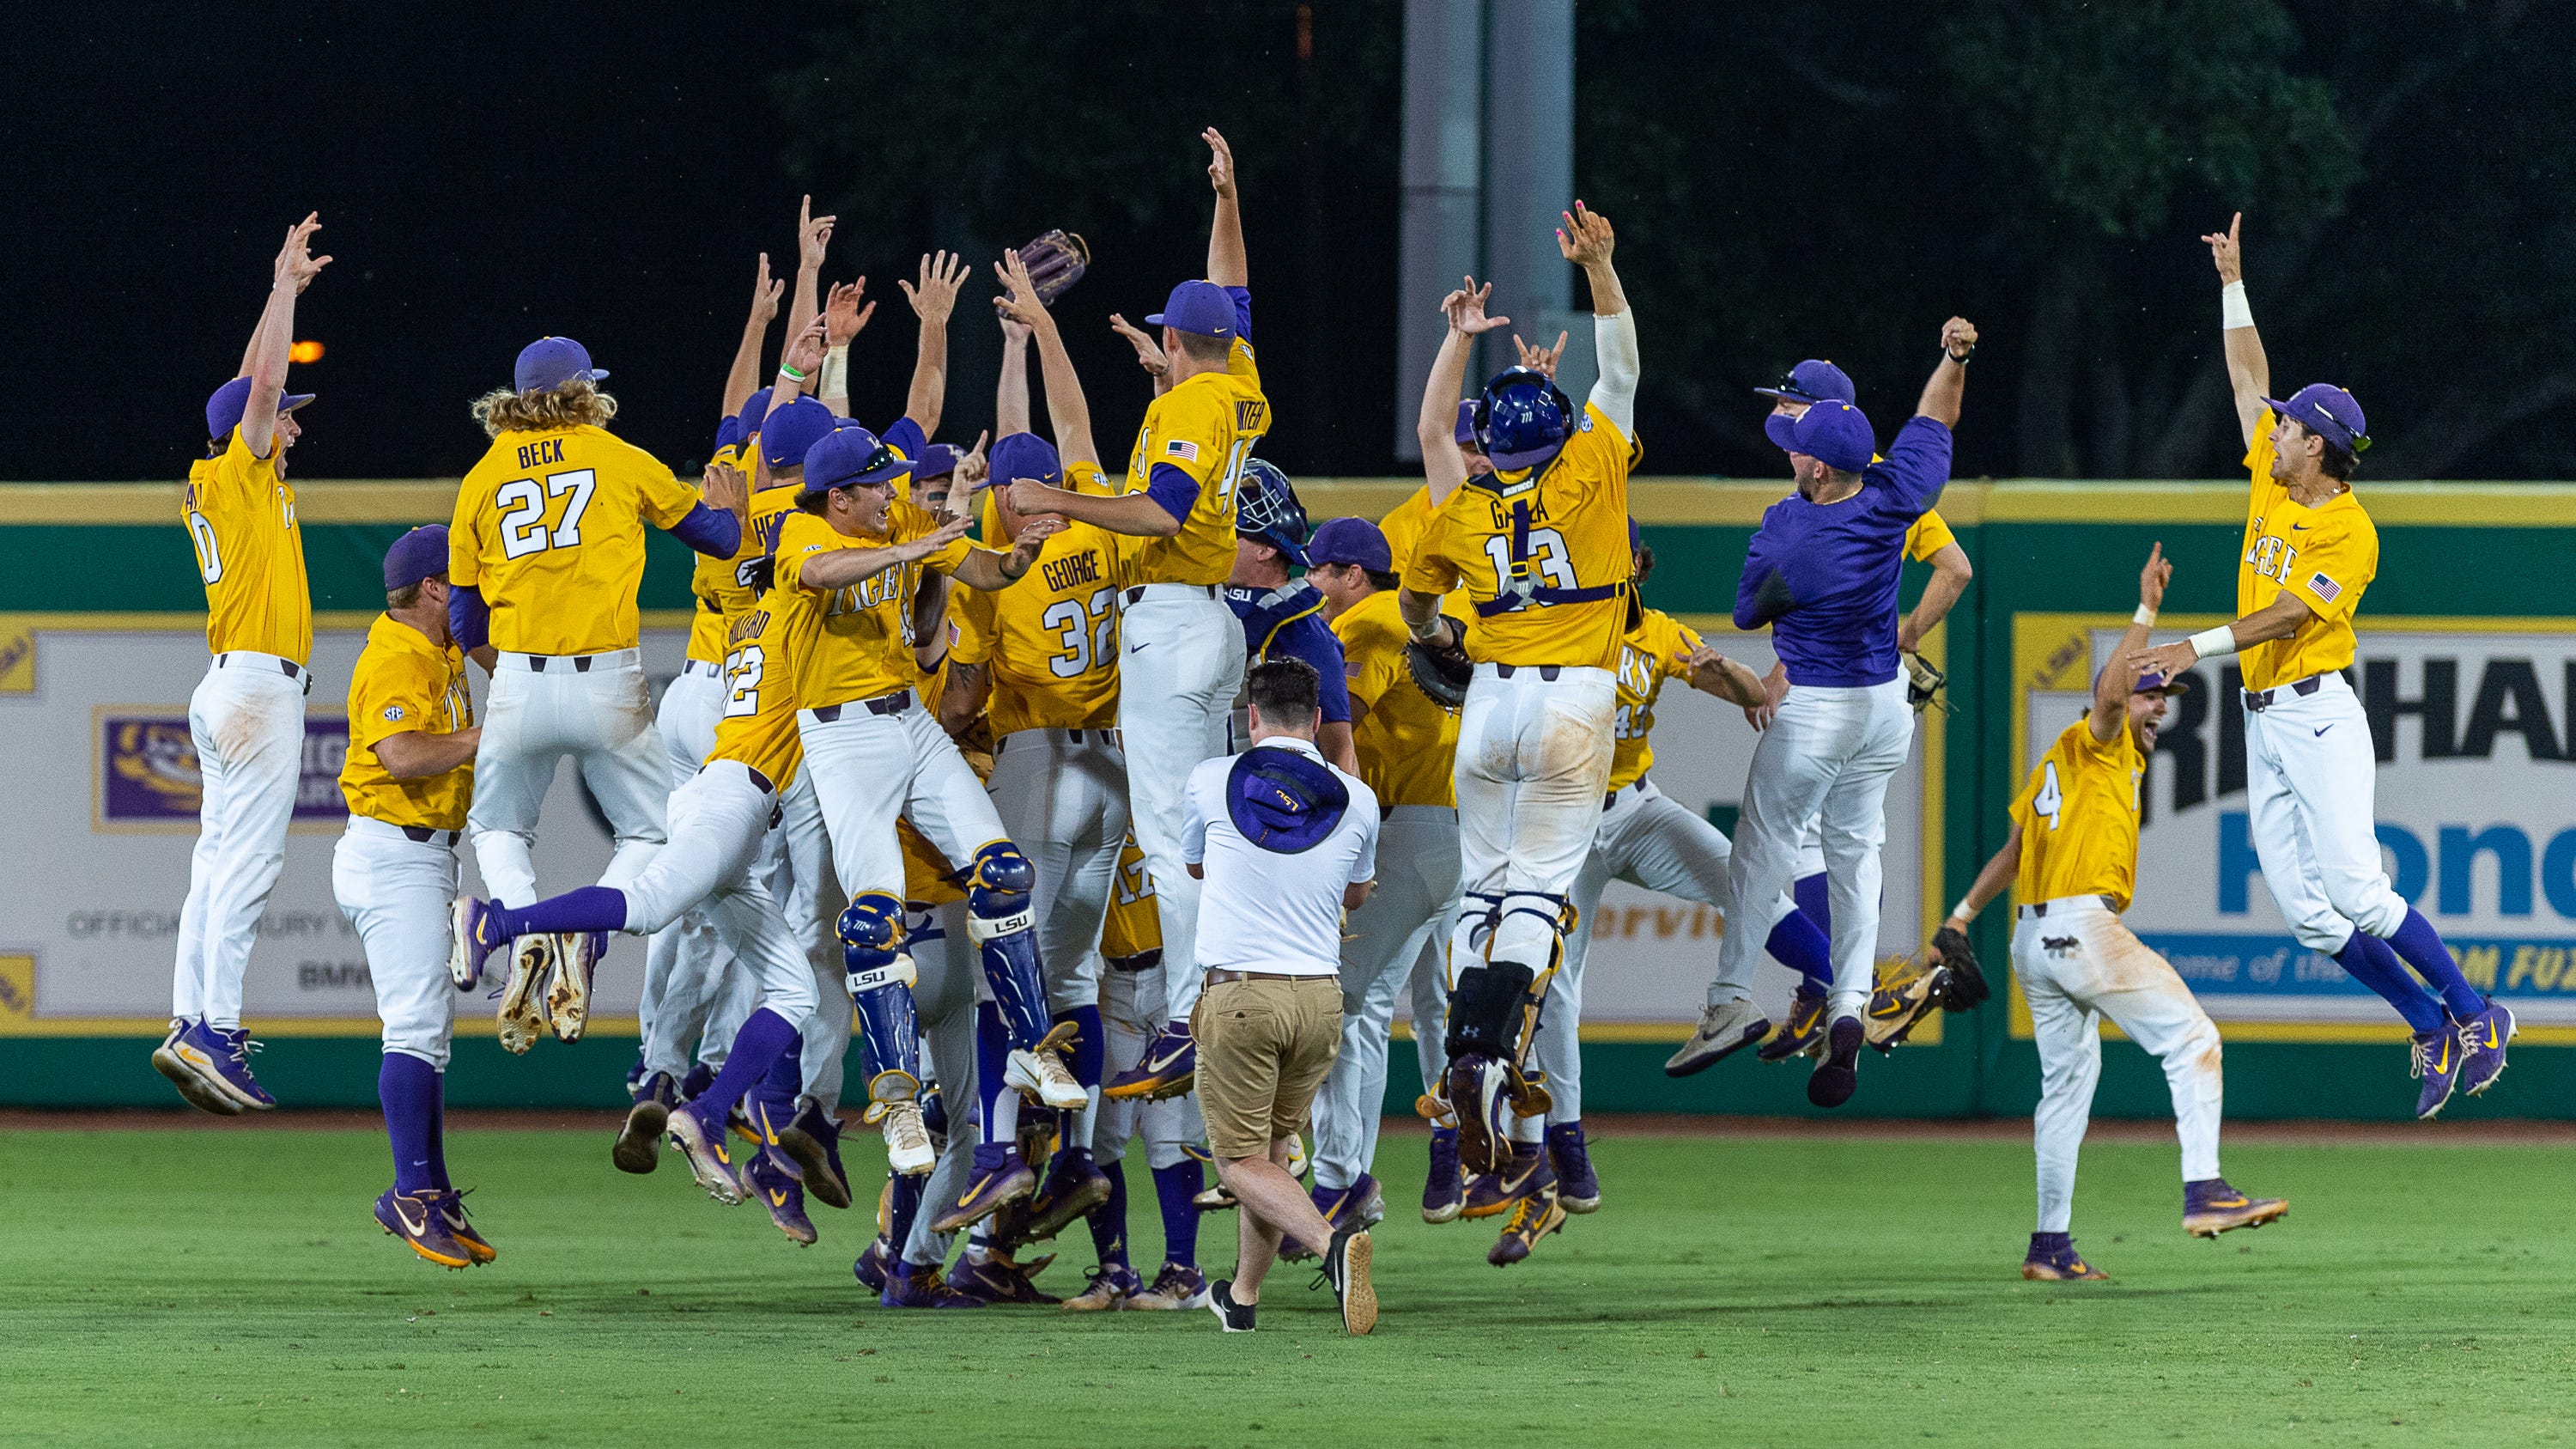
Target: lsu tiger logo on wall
point(149, 775)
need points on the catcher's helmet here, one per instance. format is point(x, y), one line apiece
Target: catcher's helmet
point(1522, 418)
point(1266, 508)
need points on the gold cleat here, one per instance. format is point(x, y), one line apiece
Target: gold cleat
point(520, 1020)
point(568, 995)
point(1902, 998)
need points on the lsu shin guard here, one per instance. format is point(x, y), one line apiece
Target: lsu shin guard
point(1003, 924)
point(880, 981)
point(1484, 1009)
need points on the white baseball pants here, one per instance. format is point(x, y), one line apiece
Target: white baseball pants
point(1382, 944)
point(1180, 665)
point(870, 768)
point(717, 823)
point(797, 863)
point(395, 891)
point(2310, 782)
point(1827, 757)
point(542, 710)
point(1533, 764)
point(246, 720)
point(685, 966)
point(2078, 964)
point(1062, 795)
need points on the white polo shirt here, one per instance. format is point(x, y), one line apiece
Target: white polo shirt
point(1264, 910)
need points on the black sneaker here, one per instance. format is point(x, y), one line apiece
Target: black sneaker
point(1346, 1267)
point(1237, 1317)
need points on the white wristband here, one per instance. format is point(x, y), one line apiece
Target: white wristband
point(2215, 643)
point(1963, 911)
point(2145, 618)
point(2233, 310)
point(836, 372)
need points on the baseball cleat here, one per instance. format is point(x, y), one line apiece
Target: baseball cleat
point(639, 1142)
point(1577, 1189)
point(909, 1150)
point(1492, 1194)
point(1433, 1110)
point(1474, 1085)
point(473, 934)
point(1179, 1285)
point(996, 1277)
point(1803, 1032)
point(810, 1142)
point(1443, 1193)
point(1725, 1028)
point(520, 1019)
point(694, 1085)
point(577, 955)
point(999, 1177)
point(451, 1214)
point(1234, 1317)
point(1216, 1197)
point(2483, 1039)
point(221, 1061)
point(766, 1178)
point(1533, 1217)
point(1362, 1204)
point(414, 1218)
point(1074, 1188)
point(1902, 999)
point(2437, 1059)
point(1166, 1069)
point(1040, 1074)
point(1298, 1161)
point(703, 1144)
point(918, 1285)
point(1109, 1288)
point(875, 1265)
point(2053, 1259)
point(2211, 1207)
point(635, 1078)
point(173, 1059)
point(1836, 1077)
point(1346, 1267)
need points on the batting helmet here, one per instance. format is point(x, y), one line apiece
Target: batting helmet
point(1266, 508)
point(1522, 418)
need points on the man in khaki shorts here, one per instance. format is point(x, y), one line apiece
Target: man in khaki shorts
point(1285, 843)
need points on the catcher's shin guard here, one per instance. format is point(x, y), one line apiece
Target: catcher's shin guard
point(1004, 928)
point(1485, 1005)
point(880, 981)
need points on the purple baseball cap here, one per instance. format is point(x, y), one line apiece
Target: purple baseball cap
point(1201, 307)
point(847, 457)
point(793, 429)
point(755, 411)
point(1350, 541)
point(937, 460)
point(729, 434)
point(224, 410)
point(1466, 433)
point(550, 362)
point(2151, 682)
point(2327, 411)
point(1832, 432)
point(1813, 381)
point(417, 555)
point(1025, 455)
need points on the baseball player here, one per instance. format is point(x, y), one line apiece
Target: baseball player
point(1284, 617)
point(2310, 772)
point(1540, 545)
point(545, 551)
point(246, 717)
point(1181, 659)
point(1824, 577)
point(407, 777)
point(2071, 859)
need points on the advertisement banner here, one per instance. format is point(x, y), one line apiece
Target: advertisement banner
point(2475, 800)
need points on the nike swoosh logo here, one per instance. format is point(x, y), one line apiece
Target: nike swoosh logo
point(974, 1192)
point(2295, 527)
point(1138, 648)
point(402, 1210)
point(777, 1198)
point(1156, 1064)
point(2321, 733)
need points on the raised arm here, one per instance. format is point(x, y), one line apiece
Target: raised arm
point(274, 338)
point(843, 319)
point(813, 234)
point(2249, 372)
point(2110, 710)
point(1066, 406)
point(1443, 467)
point(932, 301)
point(744, 375)
point(1225, 261)
point(259, 330)
point(1947, 388)
point(1586, 240)
point(1011, 396)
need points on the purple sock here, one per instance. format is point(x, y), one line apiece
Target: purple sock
point(775, 1094)
point(764, 1035)
point(1815, 901)
point(1175, 1187)
point(591, 908)
point(2370, 961)
point(408, 1088)
point(992, 1058)
point(438, 1137)
point(2421, 947)
point(1109, 1220)
point(901, 1208)
point(1798, 945)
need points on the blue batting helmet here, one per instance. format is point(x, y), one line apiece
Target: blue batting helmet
point(1522, 418)
point(1266, 508)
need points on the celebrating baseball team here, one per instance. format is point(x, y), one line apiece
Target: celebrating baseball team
point(1102, 808)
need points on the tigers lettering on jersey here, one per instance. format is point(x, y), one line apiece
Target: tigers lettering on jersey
point(551, 528)
point(1544, 557)
point(2326, 555)
point(1205, 427)
point(854, 642)
point(1659, 648)
point(2079, 818)
point(1051, 639)
point(240, 518)
point(1405, 742)
point(758, 726)
point(404, 683)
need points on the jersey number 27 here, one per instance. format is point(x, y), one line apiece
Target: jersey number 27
point(523, 512)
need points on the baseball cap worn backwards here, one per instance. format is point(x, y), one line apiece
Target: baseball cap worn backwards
point(1283, 800)
point(793, 429)
point(224, 410)
point(1201, 307)
point(1813, 381)
point(1350, 541)
point(550, 362)
point(417, 555)
point(1833, 433)
point(755, 411)
point(2327, 411)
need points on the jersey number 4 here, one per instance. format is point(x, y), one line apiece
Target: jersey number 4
point(2050, 801)
point(523, 512)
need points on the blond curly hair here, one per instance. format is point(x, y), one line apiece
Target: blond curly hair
point(566, 405)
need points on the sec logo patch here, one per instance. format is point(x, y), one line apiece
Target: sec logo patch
point(393, 712)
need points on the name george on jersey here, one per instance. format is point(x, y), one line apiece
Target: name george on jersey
point(1072, 570)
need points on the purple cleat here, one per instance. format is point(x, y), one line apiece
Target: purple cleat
point(999, 1176)
point(177, 1059)
point(2483, 1039)
point(918, 1285)
point(764, 1177)
point(996, 1277)
point(1577, 1189)
point(2437, 1059)
point(221, 1059)
point(1167, 1068)
point(414, 1218)
point(1836, 1077)
point(2053, 1259)
point(811, 1141)
point(473, 934)
point(1075, 1187)
point(1109, 1288)
point(2211, 1207)
point(1179, 1285)
point(1475, 1088)
point(1444, 1193)
point(875, 1267)
point(702, 1143)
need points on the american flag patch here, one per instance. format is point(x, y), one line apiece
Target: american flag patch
point(2323, 587)
point(1181, 448)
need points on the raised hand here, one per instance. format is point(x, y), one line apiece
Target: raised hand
point(1958, 338)
point(1015, 333)
point(1032, 536)
point(295, 260)
point(2153, 578)
point(1220, 163)
point(936, 295)
point(1031, 497)
point(1018, 302)
point(936, 539)
point(725, 489)
point(1149, 352)
point(805, 350)
point(812, 233)
point(1544, 359)
point(1585, 237)
point(2226, 252)
point(1466, 309)
point(764, 295)
point(843, 317)
point(966, 485)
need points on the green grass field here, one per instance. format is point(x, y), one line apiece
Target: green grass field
point(228, 1287)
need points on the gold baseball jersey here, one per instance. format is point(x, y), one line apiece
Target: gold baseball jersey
point(855, 642)
point(714, 584)
point(758, 726)
point(241, 518)
point(1051, 639)
point(1205, 427)
point(1134, 925)
point(1659, 648)
point(404, 683)
point(2079, 818)
point(1928, 536)
point(1543, 556)
point(551, 527)
point(2326, 555)
point(1404, 526)
point(1405, 742)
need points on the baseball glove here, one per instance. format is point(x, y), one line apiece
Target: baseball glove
point(1923, 683)
point(1055, 261)
point(1966, 987)
point(1441, 671)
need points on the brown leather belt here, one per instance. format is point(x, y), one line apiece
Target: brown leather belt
point(1224, 978)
